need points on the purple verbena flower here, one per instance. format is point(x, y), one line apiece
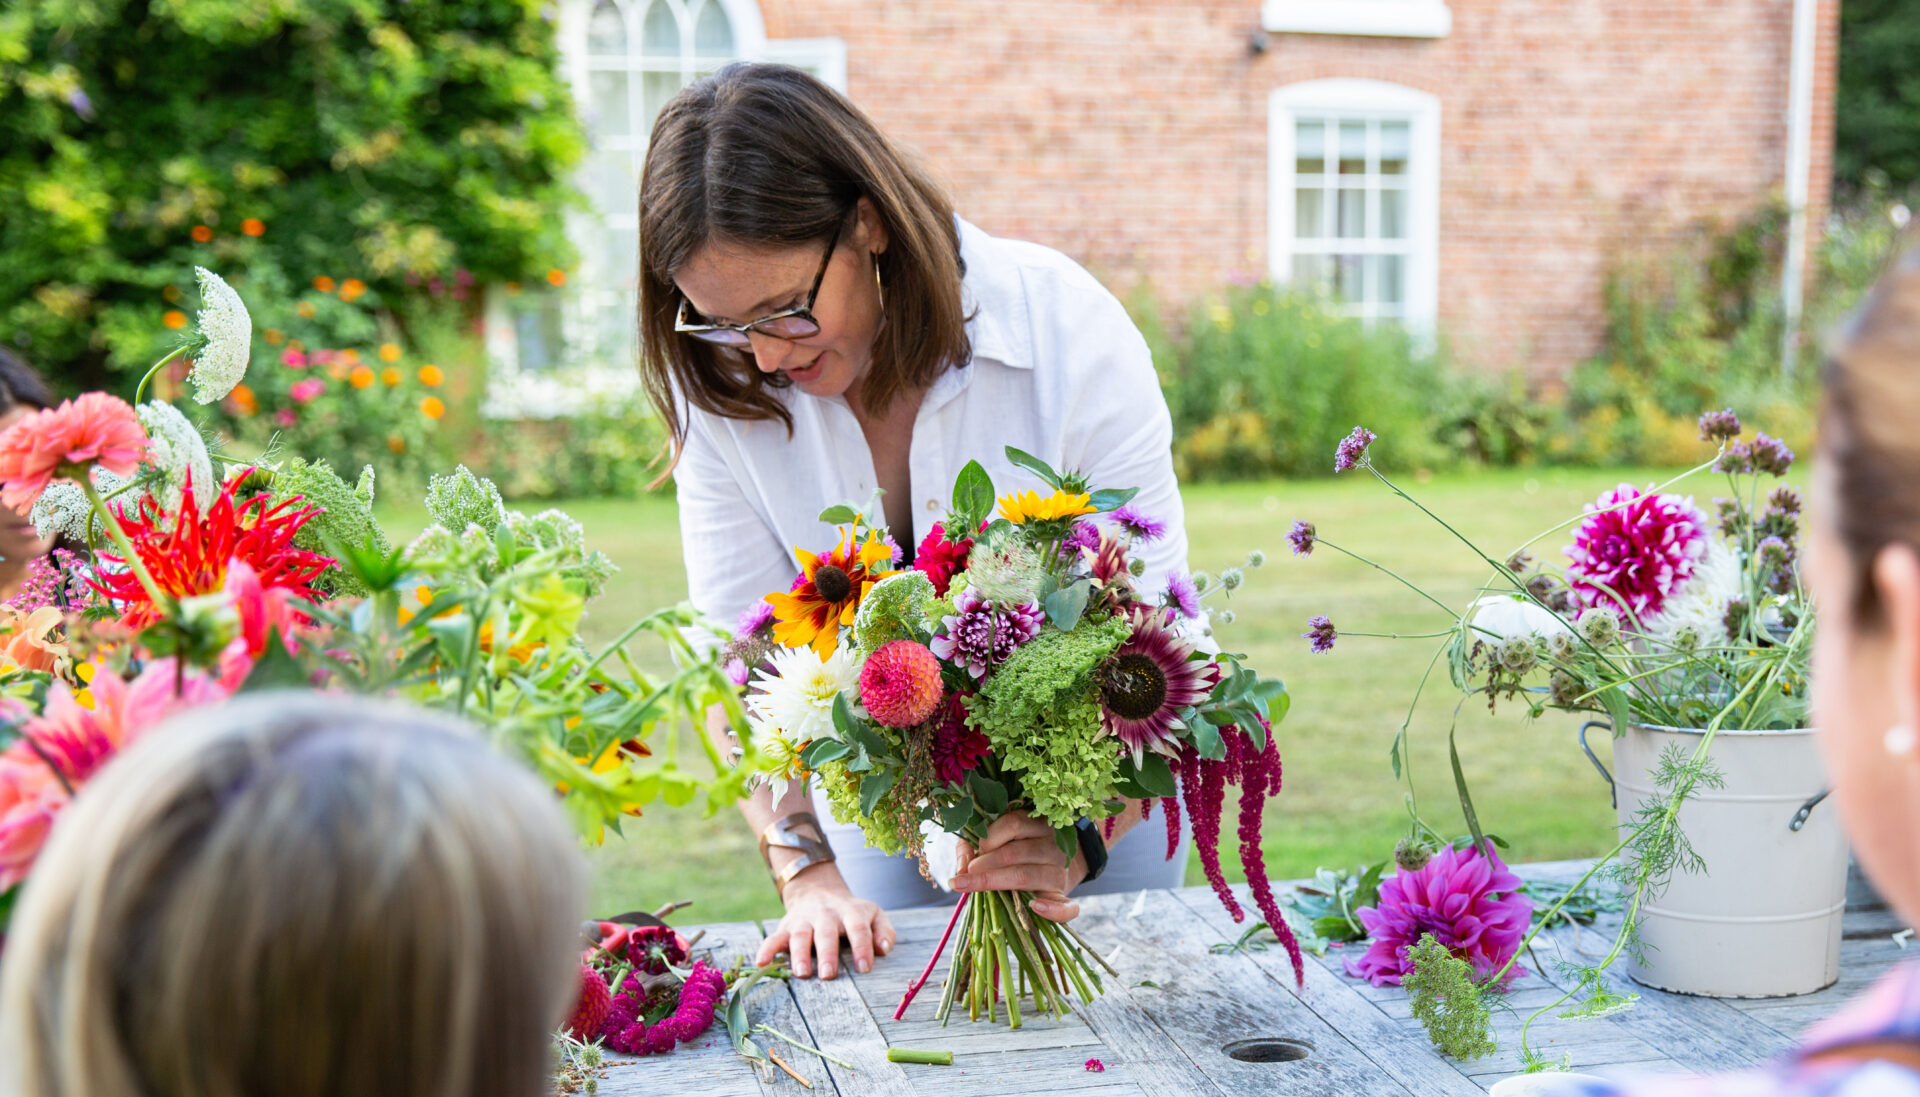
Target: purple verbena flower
point(981, 634)
point(1771, 455)
point(1353, 449)
point(1181, 597)
point(753, 619)
point(1785, 500)
point(1320, 630)
point(1774, 553)
point(1301, 537)
point(1469, 900)
point(1734, 460)
point(1635, 549)
point(1138, 524)
point(1718, 426)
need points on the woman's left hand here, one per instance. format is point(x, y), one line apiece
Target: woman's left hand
point(1019, 854)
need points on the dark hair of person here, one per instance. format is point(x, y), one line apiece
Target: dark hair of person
point(766, 155)
point(20, 386)
point(1868, 424)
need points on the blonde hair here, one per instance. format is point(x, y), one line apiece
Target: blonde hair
point(299, 895)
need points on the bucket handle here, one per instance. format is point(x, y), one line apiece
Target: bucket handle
point(1613, 791)
point(1806, 809)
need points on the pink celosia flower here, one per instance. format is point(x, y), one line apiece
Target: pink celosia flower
point(1469, 901)
point(91, 429)
point(30, 797)
point(1635, 550)
point(900, 683)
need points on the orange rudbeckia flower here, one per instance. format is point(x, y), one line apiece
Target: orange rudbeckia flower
point(829, 593)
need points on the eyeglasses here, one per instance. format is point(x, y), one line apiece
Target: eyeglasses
point(797, 323)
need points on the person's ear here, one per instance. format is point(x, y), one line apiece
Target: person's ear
point(870, 235)
point(1896, 582)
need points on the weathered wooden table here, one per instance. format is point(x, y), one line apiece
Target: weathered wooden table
point(1172, 1024)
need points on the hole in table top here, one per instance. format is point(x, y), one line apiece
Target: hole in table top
point(1268, 1049)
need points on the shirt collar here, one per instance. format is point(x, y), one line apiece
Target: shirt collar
point(994, 298)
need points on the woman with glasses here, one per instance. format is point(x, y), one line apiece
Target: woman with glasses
point(818, 324)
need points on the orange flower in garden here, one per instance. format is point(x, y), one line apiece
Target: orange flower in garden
point(513, 289)
point(244, 399)
point(253, 226)
point(337, 371)
point(556, 277)
point(323, 284)
point(350, 356)
point(352, 288)
point(174, 319)
point(829, 593)
point(273, 336)
point(433, 407)
point(202, 234)
point(305, 309)
point(361, 377)
point(389, 352)
point(390, 376)
point(432, 376)
point(396, 443)
point(92, 428)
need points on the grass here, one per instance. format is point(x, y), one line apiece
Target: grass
point(1342, 805)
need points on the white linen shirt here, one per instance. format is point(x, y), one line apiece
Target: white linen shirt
point(1058, 370)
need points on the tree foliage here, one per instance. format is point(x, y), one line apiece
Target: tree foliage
point(1878, 118)
point(394, 141)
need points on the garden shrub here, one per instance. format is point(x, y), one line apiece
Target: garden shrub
point(617, 449)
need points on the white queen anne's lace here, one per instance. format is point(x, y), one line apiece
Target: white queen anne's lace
point(62, 511)
point(228, 330)
point(179, 452)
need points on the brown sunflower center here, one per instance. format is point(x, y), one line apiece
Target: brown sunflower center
point(832, 584)
point(1133, 686)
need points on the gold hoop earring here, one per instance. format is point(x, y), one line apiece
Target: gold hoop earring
point(878, 289)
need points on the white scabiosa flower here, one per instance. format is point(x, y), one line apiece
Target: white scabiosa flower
point(180, 453)
point(796, 699)
point(1696, 614)
point(228, 330)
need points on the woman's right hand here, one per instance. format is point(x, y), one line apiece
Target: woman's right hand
point(820, 910)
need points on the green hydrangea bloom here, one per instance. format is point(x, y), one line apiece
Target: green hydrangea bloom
point(346, 515)
point(463, 499)
point(1040, 713)
point(895, 609)
point(886, 830)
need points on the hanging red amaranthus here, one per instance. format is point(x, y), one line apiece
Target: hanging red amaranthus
point(191, 556)
point(1203, 787)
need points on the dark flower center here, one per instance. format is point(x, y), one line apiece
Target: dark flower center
point(832, 584)
point(1133, 686)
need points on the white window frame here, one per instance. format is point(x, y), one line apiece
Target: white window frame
point(1381, 18)
point(1353, 99)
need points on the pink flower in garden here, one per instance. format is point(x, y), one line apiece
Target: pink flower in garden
point(293, 359)
point(91, 429)
point(1635, 550)
point(285, 417)
point(1468, 900)
point(303, 392)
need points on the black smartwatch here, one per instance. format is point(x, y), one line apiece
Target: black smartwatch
point(1093, 848)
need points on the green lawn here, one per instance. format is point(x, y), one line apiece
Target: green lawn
point(1341, 805)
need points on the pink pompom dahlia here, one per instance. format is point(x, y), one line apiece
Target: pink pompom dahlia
point(900, 684)
point(1469, 901)
point(1635, 550)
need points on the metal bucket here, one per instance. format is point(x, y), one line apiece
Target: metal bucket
point(1763, 921)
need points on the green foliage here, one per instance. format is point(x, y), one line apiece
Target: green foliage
point(615, 450)
point(1877, 116)
point(378, 139)
point(1446, 1001)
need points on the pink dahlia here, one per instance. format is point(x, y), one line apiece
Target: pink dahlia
point(900, 683)
point(31, 796)
point(1635, 550)
point(982, 634)
point(940, 559)
point(1147, 681)
point(1469, 901)
point(957, 747)
point(91, 429)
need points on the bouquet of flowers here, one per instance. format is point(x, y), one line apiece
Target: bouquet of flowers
point(1016, 666)
point(190, 573)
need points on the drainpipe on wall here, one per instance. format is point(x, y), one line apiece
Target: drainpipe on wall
point(1799, 167)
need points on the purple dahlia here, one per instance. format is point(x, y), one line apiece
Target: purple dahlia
point(1468, 900)
point(981, 634)
point(1147, 681)
point(1635, 550)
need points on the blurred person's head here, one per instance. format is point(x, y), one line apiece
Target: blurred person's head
point(759, 180)
point(1865, 576)
point(22, 393)
point(303, 895)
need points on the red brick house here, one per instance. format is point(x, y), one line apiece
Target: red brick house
point(1472, 164)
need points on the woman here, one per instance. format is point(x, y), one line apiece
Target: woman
point(1864, 571)
point(296, 894)
point(817, 324)
point(22, 392)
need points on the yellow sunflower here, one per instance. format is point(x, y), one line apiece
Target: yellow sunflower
point(1029, 506)
point(829, 593)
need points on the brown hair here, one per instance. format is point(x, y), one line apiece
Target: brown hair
point(301, 894)
point(766, 155)
point(1869, 420)
point(20, 386)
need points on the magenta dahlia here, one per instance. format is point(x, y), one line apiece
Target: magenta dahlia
point(1635, 550)
point(939, 559)
point(981, 634)
point(1471, 903)
point(957, 747)
point(1147, 681)
point(900, 683)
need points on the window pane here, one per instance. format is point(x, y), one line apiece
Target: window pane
point(1393, 214)
point(1309, 204)
point(607, 103)
point(660, 35)
point(611, 183)
point(1353, 215)
point(1346, 278)
point(1387, 279)
point(607, 33)
point(1309, 148)
point(1353, 148)
point(658, 87)
point(1310, 272)
point(537, 331)
point(712, 34)
point(1396, 141)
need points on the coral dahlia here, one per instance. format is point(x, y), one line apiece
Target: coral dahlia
point(900, 683)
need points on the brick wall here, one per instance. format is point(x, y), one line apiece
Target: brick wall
point(1133, 134)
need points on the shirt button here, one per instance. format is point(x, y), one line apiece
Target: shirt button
point(933, 504)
